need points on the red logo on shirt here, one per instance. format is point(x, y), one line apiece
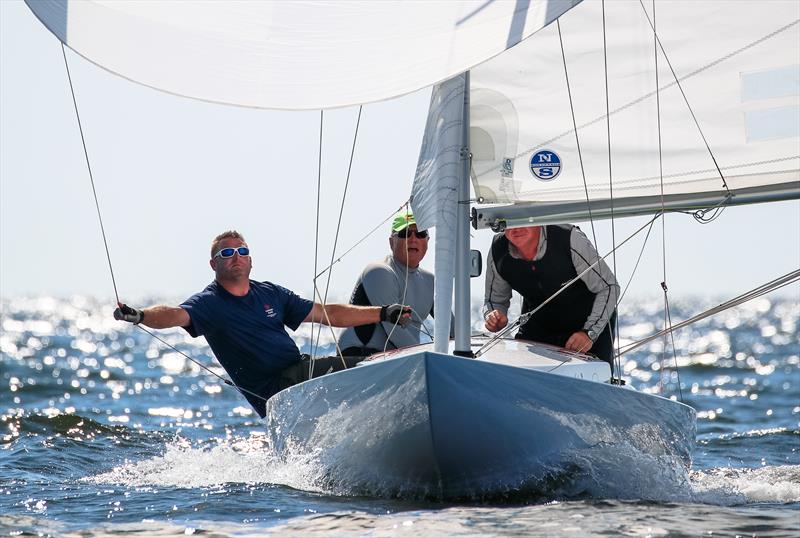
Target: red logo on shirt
point(268, 309)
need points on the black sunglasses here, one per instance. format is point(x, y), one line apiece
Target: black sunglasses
point(404, 233)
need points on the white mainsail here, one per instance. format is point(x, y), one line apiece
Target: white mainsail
point(738, 64)
point(312, 54)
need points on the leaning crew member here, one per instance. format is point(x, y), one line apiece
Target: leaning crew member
point(397, 278)
point(244, 322)
point(536, 261)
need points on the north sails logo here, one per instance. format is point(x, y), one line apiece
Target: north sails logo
point(269, 310)
point(545, 165)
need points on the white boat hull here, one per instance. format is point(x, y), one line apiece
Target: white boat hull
point(427, 425)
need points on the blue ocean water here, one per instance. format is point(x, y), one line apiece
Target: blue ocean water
point(104, 431)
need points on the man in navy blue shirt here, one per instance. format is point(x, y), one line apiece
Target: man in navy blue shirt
point(244, 320)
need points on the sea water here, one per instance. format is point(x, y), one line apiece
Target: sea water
point(106, 431)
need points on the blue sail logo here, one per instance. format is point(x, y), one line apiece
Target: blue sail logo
point(545, 165)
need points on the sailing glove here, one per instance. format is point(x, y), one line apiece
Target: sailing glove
point(129, 314)
point(396, 314)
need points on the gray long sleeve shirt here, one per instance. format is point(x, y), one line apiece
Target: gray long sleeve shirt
point(388, 282)
point(600, 280)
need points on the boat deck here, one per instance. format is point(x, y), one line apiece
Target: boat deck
point(523, 354)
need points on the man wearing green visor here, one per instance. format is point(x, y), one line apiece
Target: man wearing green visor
point(398, 278)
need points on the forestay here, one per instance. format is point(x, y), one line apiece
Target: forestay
point(292, 55)
point(738, 64)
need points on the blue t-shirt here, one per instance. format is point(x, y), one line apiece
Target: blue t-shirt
point(247, 333)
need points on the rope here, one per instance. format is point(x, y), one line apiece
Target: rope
point(91, 176)
point(770, 286)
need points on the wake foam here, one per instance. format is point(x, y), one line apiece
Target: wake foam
point(243, 461)
point(729, 487)
point(251, 461)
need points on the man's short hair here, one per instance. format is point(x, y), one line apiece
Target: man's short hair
point(224, 235)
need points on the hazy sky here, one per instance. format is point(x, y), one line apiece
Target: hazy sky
point(171, 173)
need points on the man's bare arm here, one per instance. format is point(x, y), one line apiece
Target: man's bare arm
point(156, 317)
point(164, 317)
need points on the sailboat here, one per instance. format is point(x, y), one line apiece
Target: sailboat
point(485, 416)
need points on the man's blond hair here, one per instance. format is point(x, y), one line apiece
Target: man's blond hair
point(225, 235)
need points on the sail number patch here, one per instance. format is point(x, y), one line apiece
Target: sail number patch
point(545, 165)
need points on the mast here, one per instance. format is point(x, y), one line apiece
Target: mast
point(462, 293)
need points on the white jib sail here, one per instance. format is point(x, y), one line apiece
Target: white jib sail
point(738, 64)
point(292, 55)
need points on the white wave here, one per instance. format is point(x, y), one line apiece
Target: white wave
point(729, 486)
point(242, 461)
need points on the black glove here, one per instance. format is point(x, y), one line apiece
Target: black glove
point(395, 313)
point(129, 314)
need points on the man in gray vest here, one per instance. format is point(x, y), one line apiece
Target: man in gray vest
point(400, 276)
point(536, 262)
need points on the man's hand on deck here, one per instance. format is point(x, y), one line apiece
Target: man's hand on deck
point(129, 314)
point(495, 321)
point(396, 314)
point(580, 342)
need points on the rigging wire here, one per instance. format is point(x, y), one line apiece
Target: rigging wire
point(405, 289)
point(316, 234)
point(575, 128)
point(638, 260)
point(613, 319)
point(317, 295)
point(357, 243)
point(663, 217)
point(773, 285)
point(577, 143)
point(91, 176)
point(685, 99)
point(333, 251)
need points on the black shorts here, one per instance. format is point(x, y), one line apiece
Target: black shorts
point(307, 369)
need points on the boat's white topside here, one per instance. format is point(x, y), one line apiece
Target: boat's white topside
point(523, 354)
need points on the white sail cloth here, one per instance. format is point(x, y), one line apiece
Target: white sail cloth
point(434, 196)
point(292, 55)
point(739, 66)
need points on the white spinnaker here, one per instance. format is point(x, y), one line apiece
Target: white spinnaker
point(739, 65)
point(434, 196)
point(308, 54)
